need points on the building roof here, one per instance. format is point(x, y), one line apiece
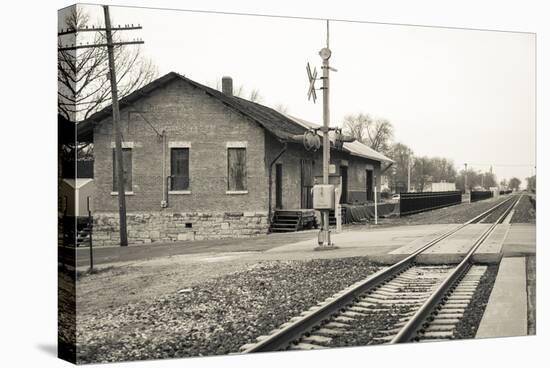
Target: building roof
point(281, 125)
point(271, 120)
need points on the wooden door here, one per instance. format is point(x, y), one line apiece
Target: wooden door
point(306, 183)
point(279, 186)
point(344, 175)
point(370, 187)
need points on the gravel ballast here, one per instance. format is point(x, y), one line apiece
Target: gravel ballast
point(456, 214)
point(496, 214)
point(525, 211)
point(218, 316)
point(468, 325)
point(531, 295)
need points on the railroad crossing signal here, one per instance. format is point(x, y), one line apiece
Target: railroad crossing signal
point(312, 78)
point(340, 138)
point(310, 139)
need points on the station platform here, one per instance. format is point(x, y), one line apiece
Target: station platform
point(506, 312)
point(521, 240)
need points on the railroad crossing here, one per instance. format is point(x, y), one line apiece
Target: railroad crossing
point(499, 274)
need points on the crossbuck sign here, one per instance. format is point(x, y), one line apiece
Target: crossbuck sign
point(312, 78)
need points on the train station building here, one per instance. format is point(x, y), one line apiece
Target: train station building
point(205, 164)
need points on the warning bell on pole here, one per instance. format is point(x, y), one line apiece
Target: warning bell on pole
point(310, 139)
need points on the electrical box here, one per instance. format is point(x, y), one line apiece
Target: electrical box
point(323, 197)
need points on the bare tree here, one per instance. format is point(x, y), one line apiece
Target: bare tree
point(397, 177)
point(477, 179)
point(376, 133)
point(514, 183)
point(255, 96)
point(356, 126)
point(83, 80)
point(443, 170)
point(380, 135)
point(489, 180)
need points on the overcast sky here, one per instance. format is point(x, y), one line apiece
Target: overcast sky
point(462, 94)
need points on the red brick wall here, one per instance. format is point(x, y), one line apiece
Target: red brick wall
point(186, 114)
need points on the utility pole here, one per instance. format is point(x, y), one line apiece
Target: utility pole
point(114, 95)
point(116, 127)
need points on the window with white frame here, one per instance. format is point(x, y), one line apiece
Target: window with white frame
point(179, 168)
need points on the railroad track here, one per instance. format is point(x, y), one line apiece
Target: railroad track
point(416, 303)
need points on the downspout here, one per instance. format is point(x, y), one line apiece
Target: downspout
point(164, 181)
point(285, 146)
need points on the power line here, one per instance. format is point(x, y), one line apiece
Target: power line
point(511, 165)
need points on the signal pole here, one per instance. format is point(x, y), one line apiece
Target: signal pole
point(114, 95)
point(325, 191)
point(325, 54)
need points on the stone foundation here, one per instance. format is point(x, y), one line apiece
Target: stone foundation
point(166, 227)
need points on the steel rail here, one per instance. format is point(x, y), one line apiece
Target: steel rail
point(486, 215)
point(285, 336)
point(423, 315)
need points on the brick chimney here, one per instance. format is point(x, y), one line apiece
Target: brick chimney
point(227, 86)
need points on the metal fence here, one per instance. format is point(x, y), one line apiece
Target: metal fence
point(480, 195)
point(411, 202)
